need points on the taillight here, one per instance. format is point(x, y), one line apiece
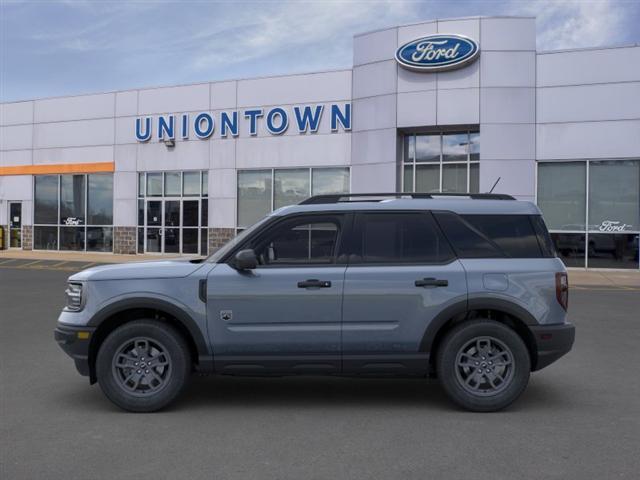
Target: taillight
point(562, 289)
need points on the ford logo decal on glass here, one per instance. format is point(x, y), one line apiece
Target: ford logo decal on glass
point(436, 53)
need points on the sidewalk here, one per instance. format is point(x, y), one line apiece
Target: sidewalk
point(83, 257)
point(577, 277)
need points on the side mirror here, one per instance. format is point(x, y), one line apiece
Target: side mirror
point(246, 260)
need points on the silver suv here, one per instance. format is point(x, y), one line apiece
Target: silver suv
point(466, 288)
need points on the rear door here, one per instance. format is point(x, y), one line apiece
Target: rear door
point(402, 273)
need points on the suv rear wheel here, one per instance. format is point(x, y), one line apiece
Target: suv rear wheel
point(483, 365)
point(143, 365)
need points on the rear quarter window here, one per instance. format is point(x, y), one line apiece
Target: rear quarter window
point(496, 236)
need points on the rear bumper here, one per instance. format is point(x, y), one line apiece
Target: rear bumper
point(552, 342)
point(74, 345)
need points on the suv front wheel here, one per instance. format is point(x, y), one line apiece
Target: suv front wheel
point(483, 365)
point(143, 365)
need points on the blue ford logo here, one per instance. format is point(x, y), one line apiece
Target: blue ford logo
point(436, 53)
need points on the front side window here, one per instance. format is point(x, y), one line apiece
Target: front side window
point(397, 238)
point(304, 241)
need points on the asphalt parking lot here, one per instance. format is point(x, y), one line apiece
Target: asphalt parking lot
point(579, 418)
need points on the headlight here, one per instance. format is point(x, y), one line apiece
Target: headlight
point(74, 296)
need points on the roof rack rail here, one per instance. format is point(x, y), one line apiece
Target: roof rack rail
point(371, 197)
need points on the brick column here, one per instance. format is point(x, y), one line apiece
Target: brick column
point(27, 237)
point(124, 240)
point(218, 237)
point(5, 237)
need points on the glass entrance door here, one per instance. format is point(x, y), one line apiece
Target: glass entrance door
point(15, 225)
point(171, 226)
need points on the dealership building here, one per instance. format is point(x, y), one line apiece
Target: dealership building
point(455, 105)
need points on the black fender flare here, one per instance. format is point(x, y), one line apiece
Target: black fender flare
point(462, 307)
point(176, 311)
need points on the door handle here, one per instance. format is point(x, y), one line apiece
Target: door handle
point(431, 282)
point(314, 283)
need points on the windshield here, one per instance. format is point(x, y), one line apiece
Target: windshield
point(218, 254)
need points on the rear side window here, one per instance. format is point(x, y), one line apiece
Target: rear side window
point(544, 239)
point(514, 234)
point(399, 238)
point(496, 236)
point(467, 240)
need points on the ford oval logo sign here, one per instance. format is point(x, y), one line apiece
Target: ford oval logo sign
point(436, 53)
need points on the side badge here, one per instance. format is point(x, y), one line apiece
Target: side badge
point(226, 315)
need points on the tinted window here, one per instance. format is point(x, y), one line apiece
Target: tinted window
point(544, 239)
point(514, 234)
point(46, 202)
point(467, 241)
point(299, 242)
point(400, 238)
point(100, 200)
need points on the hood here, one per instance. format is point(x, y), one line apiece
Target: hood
point(139, 270)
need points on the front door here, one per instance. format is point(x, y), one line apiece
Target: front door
point(15, 225)
point(401, 275)
point(284, 316)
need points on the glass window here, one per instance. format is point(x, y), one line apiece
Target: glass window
point(409, 148)
point(474, 147)
point(290, 187)
point(191, 184)
point(454, 178)
point(254, 196)
point(570, 248)
point(140, 212)
point(330, 180)
point(612, 250)
point(427, 178)
point(99, 239)
point(45, 238)
point(71, 238)
point(307, 243)
point(100, 199)
point(428, 148)
point(46, 200)
point(407, 178)
point(72, 191)
point(204, 213)
point(443, 163)
point(455, 148)
point(171, 240)
point(154, 184)
point(474, 178)
point(614, 196)
point(513, 234)
point(467, 241)
point(172, 213)
point(401, 238)
point(189, 240)
point(205, 184)
point(141, 240)
point(190, 213)
point(204, 242)
point(172, 184)
point(562, 194)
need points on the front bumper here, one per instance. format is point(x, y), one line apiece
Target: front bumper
point(75, 343)
point(552, 342)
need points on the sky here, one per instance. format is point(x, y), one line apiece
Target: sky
point(68, 47)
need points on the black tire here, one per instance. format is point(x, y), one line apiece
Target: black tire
point(121, 365)
point(457, 365)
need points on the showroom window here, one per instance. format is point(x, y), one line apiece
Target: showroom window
point(173, 212)
point(261, 191)
point(73, 212)
point(592, 209)
point(441, 162)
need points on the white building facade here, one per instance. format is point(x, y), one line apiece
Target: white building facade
point(181, 169)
